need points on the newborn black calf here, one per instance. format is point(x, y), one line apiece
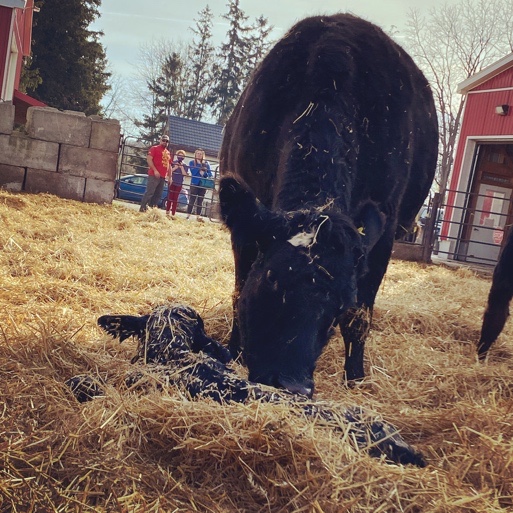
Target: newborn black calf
point(173, 339)
point(85, 387)
point(170, 331)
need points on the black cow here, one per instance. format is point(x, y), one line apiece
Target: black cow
point(497, 308)
point(327, 157)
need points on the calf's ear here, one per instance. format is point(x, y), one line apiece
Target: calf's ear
point(370, 223)
point(249, 221)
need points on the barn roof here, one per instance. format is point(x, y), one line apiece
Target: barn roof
point(485, 74)
point(189, 135)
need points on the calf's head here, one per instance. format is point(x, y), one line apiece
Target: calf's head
point(304, 277)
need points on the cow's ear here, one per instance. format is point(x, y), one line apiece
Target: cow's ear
point(249, 221)
point(370, 223)
point(238, 203)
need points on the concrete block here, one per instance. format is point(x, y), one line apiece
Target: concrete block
point(105, 134)
point(18, 150)
point(88, 162)
point(11, 177)
point(74, 112)
point(49, 124)
point(99, 191)
point(6, 117)
point(64, 186)
point(407, 251)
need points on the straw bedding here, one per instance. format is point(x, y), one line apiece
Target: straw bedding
point(63, 264)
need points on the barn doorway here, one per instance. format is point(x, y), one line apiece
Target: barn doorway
point(489, 211)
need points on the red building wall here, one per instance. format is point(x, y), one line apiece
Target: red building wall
point(480, 119)
point(503, 79)
point(23, 34)
point(5, 36)
point(21, 31)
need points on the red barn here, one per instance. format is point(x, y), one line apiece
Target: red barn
point(478, 211)
point(15, 40)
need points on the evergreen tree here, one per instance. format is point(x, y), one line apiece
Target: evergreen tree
point(167, 85)
point(177, 77)
point(150, 127)
point(259, 44)
point(193, 80)
point(150, 58)
point(164, 89)
point(29, 78)
point(67, 56)
point(230, 73)
point(200, 65)
point(245, 47)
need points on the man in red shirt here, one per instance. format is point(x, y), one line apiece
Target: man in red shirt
point(158, 160)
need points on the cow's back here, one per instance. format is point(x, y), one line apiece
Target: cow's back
point(336, 112)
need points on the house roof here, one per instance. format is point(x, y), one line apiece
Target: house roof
point(485, 74)
point(21, 103)
point(190, 134)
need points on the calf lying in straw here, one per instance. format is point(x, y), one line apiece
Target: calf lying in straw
point(173, 340)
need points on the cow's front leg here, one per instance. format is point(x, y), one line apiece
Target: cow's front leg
point(355, 322)
point(354, 325)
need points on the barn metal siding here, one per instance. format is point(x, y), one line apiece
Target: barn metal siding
point(5, 38)
point(504, 79)
point(480, 119)
point(25, 20)
point(480, 116)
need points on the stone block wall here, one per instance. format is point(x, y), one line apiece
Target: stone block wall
point(62, 153)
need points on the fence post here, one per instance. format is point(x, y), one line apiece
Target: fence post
point(429, 229)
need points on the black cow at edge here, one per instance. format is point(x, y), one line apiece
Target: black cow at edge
point(497, 308)
point(327, 158)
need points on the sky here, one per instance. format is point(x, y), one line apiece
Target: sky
point(130, 24)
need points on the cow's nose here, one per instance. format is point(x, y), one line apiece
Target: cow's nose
point(305, 387)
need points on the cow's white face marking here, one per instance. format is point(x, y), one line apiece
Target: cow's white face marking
point(304, 239)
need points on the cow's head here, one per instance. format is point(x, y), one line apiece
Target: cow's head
point(304, 277)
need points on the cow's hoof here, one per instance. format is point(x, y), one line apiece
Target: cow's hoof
point(352, 380)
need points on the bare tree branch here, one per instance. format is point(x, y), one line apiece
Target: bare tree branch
point(450, 44)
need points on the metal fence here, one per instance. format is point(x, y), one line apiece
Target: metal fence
point(470, 227)
point(463, 228)
point(132, 160)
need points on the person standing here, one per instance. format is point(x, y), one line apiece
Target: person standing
point(199, 169)
point(177, 172)
point(159, 159)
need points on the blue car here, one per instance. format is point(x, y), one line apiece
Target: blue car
point(133, 187)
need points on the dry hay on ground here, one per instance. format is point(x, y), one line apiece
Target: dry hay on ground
point(63, 264)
